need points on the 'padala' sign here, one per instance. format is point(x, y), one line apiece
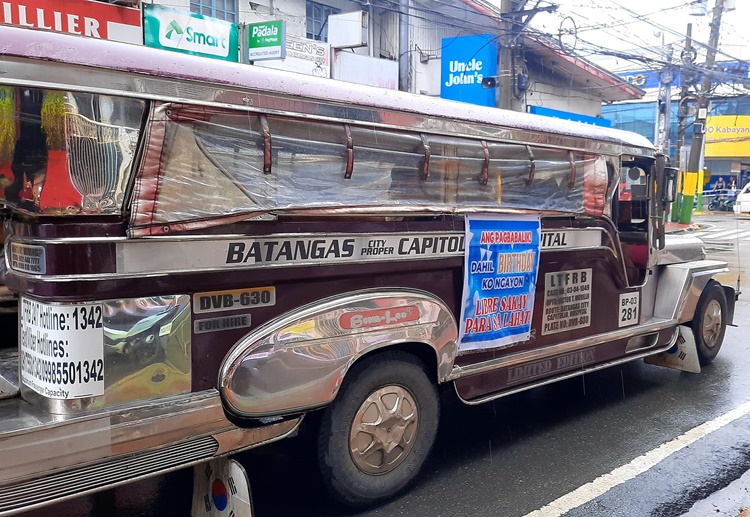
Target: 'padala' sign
point(266, 40)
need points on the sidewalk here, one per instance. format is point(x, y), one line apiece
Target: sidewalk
point(670, 227)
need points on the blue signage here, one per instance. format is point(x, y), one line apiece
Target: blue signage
point(500, 276)
point(466, 61)
point(726, 72)
point(732, 72)
point(567, 115)
point(645, 79)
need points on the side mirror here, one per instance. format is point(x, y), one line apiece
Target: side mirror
point(670, 191)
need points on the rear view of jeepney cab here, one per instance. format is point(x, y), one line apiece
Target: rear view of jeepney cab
point(201, 267)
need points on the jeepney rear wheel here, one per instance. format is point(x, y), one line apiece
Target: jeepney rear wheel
point(376, 435)
point(710, 322)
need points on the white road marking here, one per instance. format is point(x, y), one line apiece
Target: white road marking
point(639, 465)
point(721, 234)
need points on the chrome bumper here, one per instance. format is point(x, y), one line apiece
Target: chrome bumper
point(47, 458)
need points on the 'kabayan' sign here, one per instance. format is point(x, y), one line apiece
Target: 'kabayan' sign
point(181, 31)
point(466, 61)
point(266, 40)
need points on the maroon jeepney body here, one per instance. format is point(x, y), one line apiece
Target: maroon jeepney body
point(204, 251)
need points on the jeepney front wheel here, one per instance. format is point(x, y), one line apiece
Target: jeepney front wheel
point(376, 435)
point(710, 322)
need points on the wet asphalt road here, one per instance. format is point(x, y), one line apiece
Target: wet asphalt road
point(517, 455)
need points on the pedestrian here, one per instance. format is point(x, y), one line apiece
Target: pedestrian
point(719, 188)
point(732, 184)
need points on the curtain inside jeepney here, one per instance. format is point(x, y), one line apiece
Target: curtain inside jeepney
point(203, 166)
point(65, 152)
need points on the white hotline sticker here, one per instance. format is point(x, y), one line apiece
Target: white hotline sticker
point(62, 349)
point(628, 309)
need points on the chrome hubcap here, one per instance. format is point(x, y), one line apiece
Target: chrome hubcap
point(384, 429)
point(712, 324)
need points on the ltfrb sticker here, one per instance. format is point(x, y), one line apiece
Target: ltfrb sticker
point(500, 276)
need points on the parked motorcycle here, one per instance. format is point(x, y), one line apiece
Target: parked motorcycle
point(724, 202)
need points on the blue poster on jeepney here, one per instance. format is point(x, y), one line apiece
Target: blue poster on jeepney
point(500, 274)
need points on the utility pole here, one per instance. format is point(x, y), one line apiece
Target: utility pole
point(699, 127)
point(665, 105)
point(664, 118)
point(687, 56)
point(687, 59)
point(404, 56)
point(505, 58)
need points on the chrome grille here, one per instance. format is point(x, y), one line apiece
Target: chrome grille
point(97, 477)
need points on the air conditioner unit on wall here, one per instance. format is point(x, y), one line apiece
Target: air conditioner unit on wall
point(348, 30)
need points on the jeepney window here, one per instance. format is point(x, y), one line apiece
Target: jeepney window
point(308, 162)
point(393, 159)
point(536, 178)
point(455, 166)
point(201, 155)
point(216, 163)
point(66, 152)
point(633, 200)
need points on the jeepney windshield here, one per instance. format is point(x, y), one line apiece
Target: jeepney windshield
point(64, 152)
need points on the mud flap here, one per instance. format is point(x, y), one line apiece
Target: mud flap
point(682, 356)
point(221, 489)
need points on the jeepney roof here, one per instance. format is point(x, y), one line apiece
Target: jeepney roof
point(63, 48)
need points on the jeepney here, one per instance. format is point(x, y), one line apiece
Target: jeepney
point(208, 255)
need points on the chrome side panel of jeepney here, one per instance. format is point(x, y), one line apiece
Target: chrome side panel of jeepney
point(679, 249)
point(298, 362)
point(680, 287)
point(126, 350)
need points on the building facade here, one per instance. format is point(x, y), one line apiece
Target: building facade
point(727, 140)
point(386, 43)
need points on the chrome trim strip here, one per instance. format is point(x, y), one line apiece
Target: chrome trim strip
point(569, 346)
point(568, 375)
point(123, 243)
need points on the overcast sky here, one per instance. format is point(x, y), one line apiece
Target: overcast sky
point(615, 25)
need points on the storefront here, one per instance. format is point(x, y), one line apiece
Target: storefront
point(727, 151)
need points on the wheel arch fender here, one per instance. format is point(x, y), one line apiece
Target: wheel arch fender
point(298, 361)
point(681, 285)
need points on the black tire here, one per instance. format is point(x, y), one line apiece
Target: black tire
point(358, 480)
point(711, 206)
point(710, 322)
